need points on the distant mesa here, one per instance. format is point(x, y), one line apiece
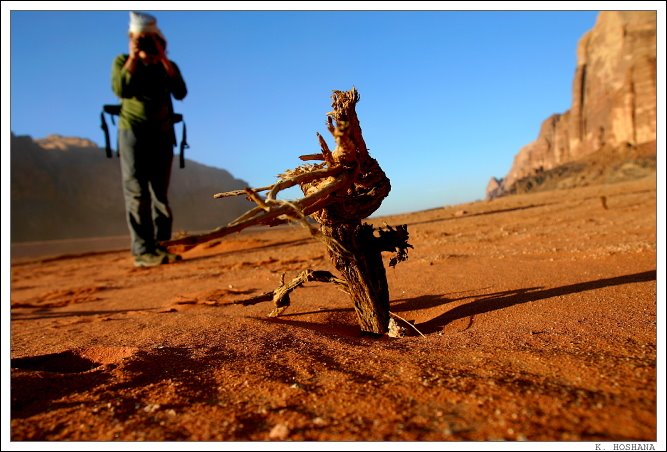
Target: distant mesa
point(609, 133)
point(76, 192)
point(62, 143)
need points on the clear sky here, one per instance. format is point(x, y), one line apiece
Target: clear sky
point(447, 97)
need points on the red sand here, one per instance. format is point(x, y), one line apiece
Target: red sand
point(539, 316)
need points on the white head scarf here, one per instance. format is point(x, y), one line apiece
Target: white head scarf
point(143, 23)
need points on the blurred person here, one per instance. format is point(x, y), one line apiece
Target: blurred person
point(145, 80)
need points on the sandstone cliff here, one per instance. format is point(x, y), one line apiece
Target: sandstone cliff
point(65, 187)
point(613, 102)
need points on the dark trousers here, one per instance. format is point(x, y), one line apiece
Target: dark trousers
point(146, 158)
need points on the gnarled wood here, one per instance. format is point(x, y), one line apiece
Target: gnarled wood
point(339, 193)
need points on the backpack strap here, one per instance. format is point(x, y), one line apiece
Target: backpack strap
point(112, 110)
point(107, 139)
point(184, 146)
point(176, 118)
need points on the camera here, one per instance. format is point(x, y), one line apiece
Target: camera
point(147, 44)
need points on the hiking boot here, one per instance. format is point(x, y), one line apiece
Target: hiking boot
point(171, 257)
point(149, 260)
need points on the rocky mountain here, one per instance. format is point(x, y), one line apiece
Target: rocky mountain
point(65, 187)
point(612, 120)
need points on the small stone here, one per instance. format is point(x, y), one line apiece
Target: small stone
point(395, 330)
point(151, 407)
point(279, 432)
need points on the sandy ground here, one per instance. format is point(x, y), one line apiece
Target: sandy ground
point(538, 314)
point(27, 251)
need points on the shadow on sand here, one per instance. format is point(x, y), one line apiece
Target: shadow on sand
point(481, 303)
point(501, 300)
point(476, 214)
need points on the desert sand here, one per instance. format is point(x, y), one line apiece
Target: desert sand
point(538, 315)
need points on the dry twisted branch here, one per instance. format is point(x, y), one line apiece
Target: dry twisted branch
point(345, 188)
point(280, 296)
point(272, 211)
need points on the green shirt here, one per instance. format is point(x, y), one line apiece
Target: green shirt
point(146, 94)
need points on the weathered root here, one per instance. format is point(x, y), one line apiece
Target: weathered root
point(346, 187)
point(364, 272)
point(281, 295)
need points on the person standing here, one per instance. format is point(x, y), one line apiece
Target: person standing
point(145, 80)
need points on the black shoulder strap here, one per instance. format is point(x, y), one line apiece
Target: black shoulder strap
point(184, 146)
point(107, 140)
point(176, 118)
point(112, 110)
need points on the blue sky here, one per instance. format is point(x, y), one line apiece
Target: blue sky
point(447, 97)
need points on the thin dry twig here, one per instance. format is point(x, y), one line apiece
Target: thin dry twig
point(229, 194)
point(307, 157)
point(280, 295)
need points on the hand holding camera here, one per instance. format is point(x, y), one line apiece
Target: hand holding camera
point(147, 46)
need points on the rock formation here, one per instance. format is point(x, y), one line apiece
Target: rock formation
point(65, 187)
point(613, 100)
point(63, 143)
